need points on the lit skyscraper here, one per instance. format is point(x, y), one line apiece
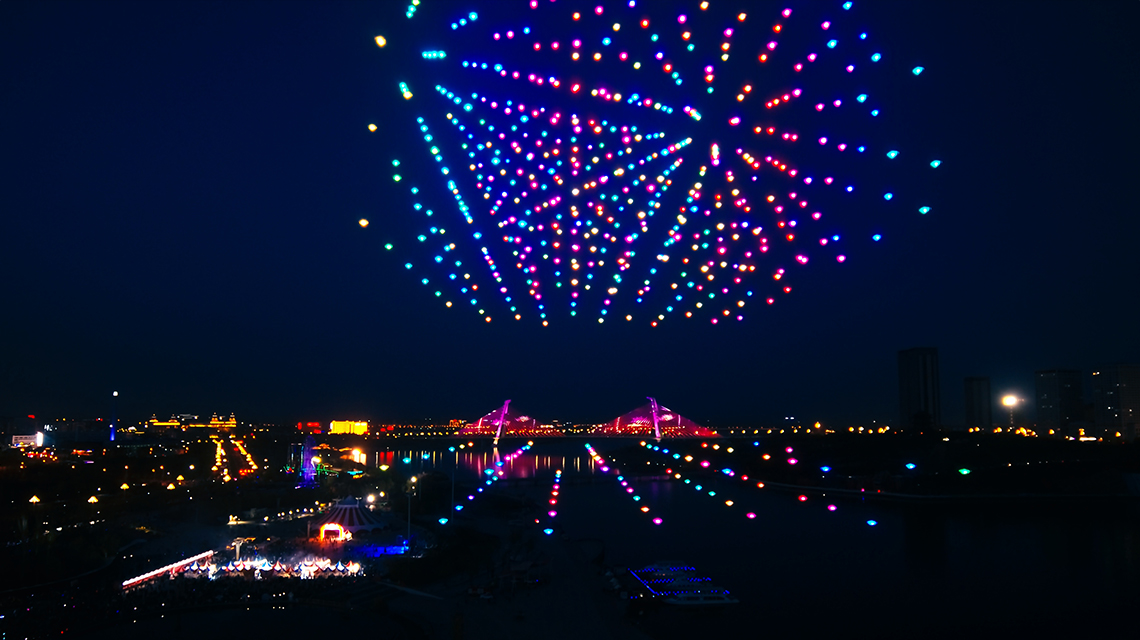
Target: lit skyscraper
point(920, 403)
point(979, 403)
point(1058, 400)
point(1116, 399)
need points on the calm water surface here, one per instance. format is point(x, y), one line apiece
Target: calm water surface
point(1024, 570)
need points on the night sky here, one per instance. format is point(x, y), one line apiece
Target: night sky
point(182, 182)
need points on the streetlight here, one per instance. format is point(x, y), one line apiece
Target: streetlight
point(1010, 402)
point(411, 491)
point(114, 414)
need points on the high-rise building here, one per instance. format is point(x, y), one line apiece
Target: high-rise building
point(920, 405)
point(979, 403)
point(1116, 400)
point(1059, 400)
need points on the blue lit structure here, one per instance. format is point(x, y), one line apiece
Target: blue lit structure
point(308, 469)
point(681, 585)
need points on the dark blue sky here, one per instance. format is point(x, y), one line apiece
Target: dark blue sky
point(181, 183)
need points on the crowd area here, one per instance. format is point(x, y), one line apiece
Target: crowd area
point(80, 608)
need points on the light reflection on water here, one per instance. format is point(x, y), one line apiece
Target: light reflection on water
point(797, 560)
point(472, 461)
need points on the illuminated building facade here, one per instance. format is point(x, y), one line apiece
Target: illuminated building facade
point(36, 440)
point(228, 424)
point(979, 403)
point(186, 421)
point(1116, 400)
point(309, 427)
point(1059, 400)
point(920, 403)
point(354, 427)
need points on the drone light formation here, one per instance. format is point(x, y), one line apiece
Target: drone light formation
point(626, 162)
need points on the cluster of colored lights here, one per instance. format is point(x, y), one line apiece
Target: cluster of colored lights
point(554, 490)
point(462, 22)
point(732, 474)
point(487, 155)
point(411, 10)
point(493, 473)
point(568, 200)
point(511, 456)
point(621, 480)
point(467, 287)
point(674, 474)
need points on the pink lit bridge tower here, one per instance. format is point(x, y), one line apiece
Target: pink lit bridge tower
point(650, 420)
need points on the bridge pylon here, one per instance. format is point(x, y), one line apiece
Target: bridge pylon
point(502, 421)
point(656, 423)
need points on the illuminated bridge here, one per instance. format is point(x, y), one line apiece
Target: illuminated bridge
point(651, 421)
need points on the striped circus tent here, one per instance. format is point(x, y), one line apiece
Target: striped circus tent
point(347, 516)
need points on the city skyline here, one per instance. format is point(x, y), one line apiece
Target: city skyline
point(1059, 397)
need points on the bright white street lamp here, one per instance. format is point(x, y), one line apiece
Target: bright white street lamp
point(1010, 401)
